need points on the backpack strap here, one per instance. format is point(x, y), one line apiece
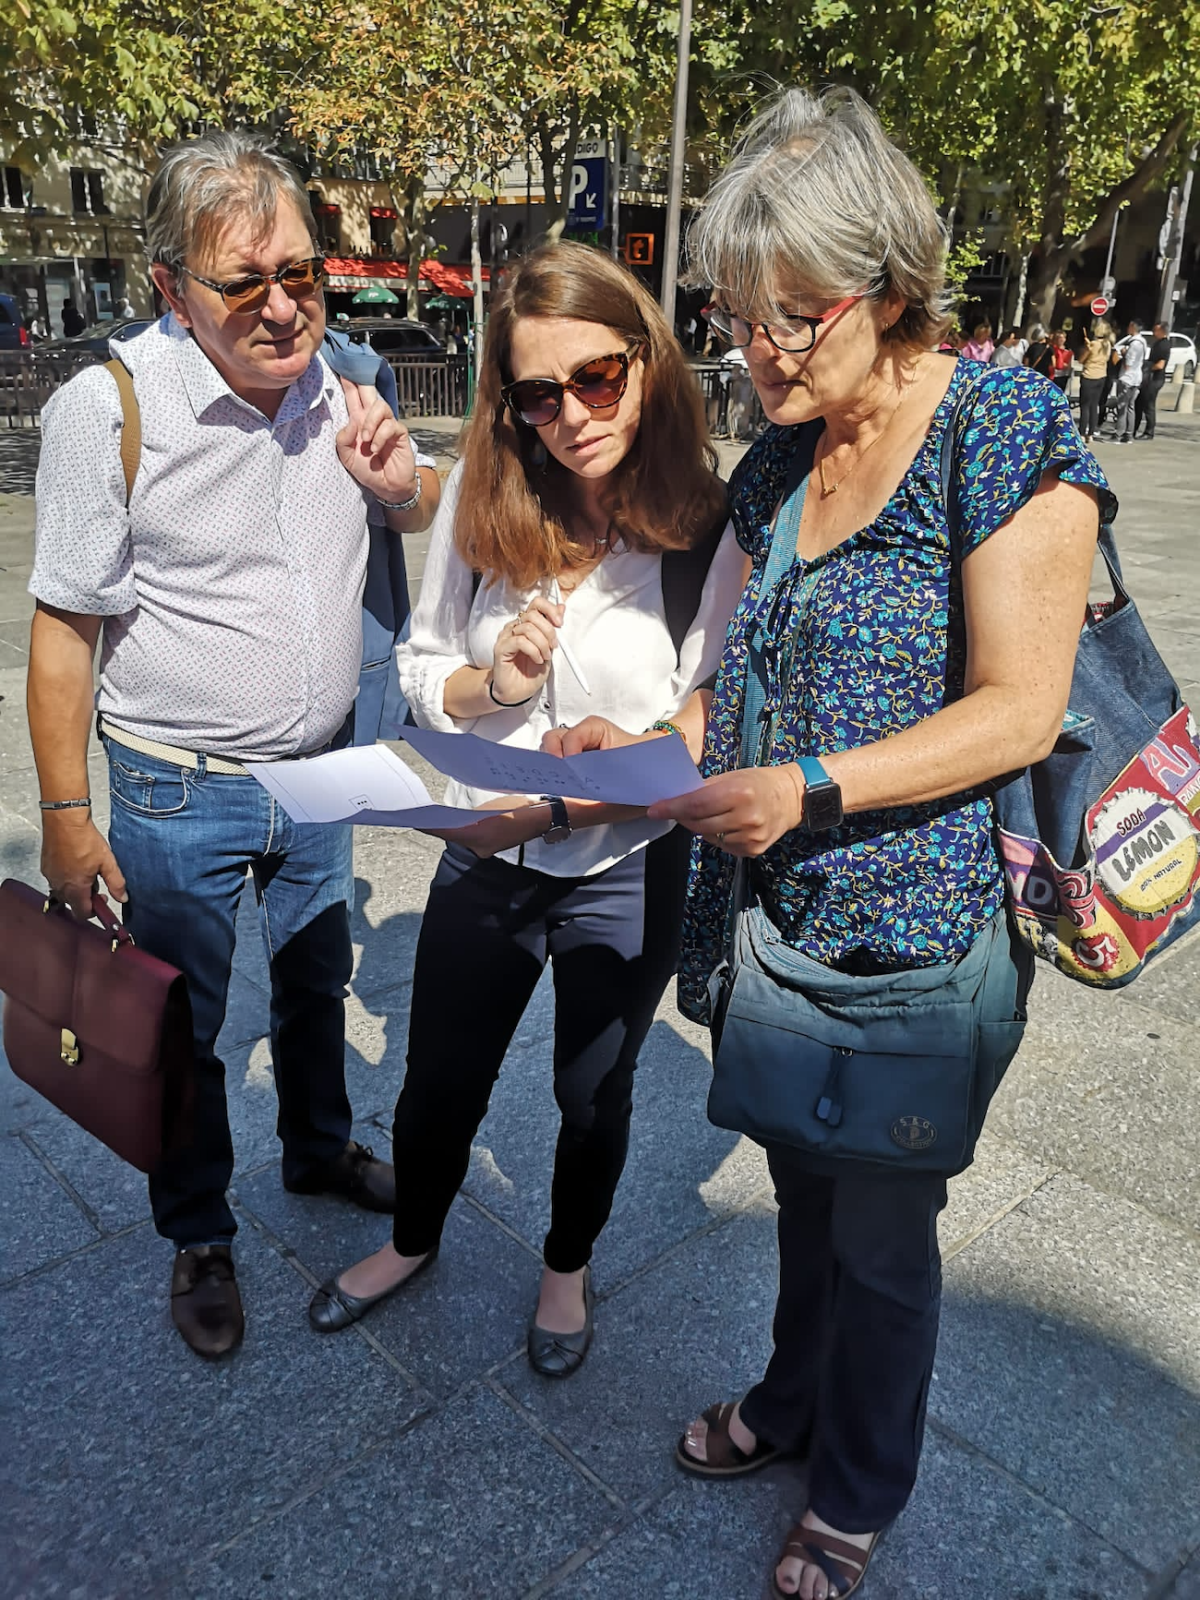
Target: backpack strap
point(684, 574)
point(131, 430)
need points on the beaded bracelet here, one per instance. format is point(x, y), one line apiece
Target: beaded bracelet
point(664, 725)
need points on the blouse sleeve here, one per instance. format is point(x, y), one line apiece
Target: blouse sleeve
point(437, 642)
point(1016, 427)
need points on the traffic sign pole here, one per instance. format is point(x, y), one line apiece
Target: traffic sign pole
point(670, 266)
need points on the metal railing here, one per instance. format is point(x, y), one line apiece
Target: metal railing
point(434, 386)
point(27, 381)
point(730, 403)
point(430, 387)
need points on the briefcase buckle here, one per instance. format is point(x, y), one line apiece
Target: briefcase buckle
point(70, 1048)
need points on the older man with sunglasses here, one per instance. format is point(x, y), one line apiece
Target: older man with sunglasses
point(226, 592)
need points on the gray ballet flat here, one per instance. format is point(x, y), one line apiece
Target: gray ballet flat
point(560, 1355)
point(332, 1308)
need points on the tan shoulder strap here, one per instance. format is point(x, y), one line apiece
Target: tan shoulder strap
point(131, 432)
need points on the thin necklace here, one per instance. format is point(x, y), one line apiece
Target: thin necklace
point(832, 488)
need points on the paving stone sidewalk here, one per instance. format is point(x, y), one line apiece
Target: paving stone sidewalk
point(417, 1456)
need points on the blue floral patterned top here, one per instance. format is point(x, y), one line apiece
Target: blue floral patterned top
point(874, 653)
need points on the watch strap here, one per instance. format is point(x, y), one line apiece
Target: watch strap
point(812, 772)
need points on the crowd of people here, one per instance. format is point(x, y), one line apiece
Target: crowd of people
point(847, 684)
point(1119, 379)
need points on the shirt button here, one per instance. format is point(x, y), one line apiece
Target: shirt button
point(545, 705)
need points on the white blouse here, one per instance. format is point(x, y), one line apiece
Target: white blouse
point(616, 628)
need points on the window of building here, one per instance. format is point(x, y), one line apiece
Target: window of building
point(12, 189)
point(328, 218)
point(383, 230)
point(87, 192)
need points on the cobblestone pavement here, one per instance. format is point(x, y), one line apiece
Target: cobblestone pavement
point(417, 1456)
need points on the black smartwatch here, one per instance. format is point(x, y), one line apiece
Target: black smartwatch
point(822, 797)
point(560, 822)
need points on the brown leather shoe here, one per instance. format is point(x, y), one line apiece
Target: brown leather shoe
point(355, 1175)
point(205, 1304)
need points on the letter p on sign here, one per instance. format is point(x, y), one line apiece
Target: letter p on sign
point(579, 182)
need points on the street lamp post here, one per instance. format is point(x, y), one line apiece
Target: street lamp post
point(675, 180)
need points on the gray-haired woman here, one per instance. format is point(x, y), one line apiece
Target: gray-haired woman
point(893, 694)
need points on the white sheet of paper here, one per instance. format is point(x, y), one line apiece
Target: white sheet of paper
point(369, 785)
point(634, 775)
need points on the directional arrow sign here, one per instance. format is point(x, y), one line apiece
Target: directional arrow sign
point(587, 193)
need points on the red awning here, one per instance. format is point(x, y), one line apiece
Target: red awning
point(440, 275)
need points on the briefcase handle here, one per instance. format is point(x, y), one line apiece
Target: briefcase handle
point(103, 914)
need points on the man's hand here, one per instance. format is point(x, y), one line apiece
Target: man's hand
point(75, 854)
point(374, 447)
point(742, 812)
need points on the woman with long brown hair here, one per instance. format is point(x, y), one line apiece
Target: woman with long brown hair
point(580, 562)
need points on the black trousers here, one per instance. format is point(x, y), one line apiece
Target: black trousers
point(856, 1323)
point(1147, 403)
point(1091, 392)
point(488, 930)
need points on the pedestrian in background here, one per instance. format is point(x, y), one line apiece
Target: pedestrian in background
point(1008, 352)
point(221, 643)
point(1129, 380)
point(1040, 354)
point(1157, 356)
point(562, 506)
point(1061, 375)
point(72, 321)
point(980, 345)
point(1096, 355)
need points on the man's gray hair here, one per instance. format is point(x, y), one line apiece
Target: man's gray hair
point(202, 185)
point(817, 200)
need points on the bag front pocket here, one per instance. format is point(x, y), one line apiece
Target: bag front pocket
point(891, 1084)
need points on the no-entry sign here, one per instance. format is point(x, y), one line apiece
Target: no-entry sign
point(1099, 306)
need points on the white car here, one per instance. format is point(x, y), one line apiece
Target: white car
point(1183, 352)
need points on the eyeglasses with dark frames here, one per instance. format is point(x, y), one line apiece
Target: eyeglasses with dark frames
point(793, 337)
point(298, 279)
point(598, 383)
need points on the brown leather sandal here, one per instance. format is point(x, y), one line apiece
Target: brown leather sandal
point(844, 1564)
point(723, 1458)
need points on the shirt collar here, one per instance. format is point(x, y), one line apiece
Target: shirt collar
point(204, 385)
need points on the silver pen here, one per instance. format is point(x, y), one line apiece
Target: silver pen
point(568, 653)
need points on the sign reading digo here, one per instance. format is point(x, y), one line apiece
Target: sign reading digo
point(1141, 871)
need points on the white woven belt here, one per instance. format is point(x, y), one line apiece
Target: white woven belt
point(175, 754)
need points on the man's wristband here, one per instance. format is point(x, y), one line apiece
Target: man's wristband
point(63, 805)
point(404, 505)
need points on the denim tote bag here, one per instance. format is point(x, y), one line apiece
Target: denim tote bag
point(1101, 840)
point(380, 708)
point(892, 1070)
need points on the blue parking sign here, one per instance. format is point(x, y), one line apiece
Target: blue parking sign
point(587, 193)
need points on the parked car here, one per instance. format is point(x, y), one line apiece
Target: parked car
point(13, 333)
point(93, 342)
point(393, 336)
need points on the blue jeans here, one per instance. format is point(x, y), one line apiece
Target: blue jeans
point(185, 841)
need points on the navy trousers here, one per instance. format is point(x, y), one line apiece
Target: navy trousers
point(856, 1323)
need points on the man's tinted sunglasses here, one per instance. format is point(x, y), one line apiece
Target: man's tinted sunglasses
point(298, 279)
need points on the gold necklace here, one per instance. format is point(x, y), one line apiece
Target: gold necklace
point(832, 488)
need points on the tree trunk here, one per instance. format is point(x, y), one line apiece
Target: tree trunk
point(553, 161)
point(415, 213)
point(1016, 314)
point(1058, 252)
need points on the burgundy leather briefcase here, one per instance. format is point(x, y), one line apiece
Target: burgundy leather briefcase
point(100, 1028)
